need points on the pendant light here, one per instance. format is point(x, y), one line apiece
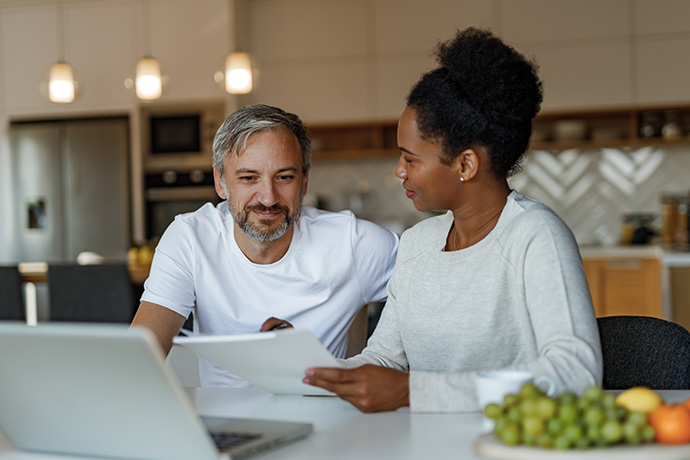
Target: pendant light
point(238, 74)
point(148, 81)
point(61, 84)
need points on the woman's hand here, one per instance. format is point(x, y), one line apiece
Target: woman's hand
point(369, 388)
point(274, 323)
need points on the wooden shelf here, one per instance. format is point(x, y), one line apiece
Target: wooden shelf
point(355, 141)
point(617, 127)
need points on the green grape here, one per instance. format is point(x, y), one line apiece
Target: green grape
point(500, 425)
point(528, 407)
point(545, 441)
point(594, 415)
point(632, 433)
point(528, 439)
point(533, 426)
point(567, 398)
point(547, 408)
point(514, 414)
point(530, 390)
point(562, 442)
point(593, 432)
point(568, 413)
point(510, 400)
point(573, 432)
point(608, 401)
point(637, 418)
point(510, 434)
point(648, 434)
point(582, 443)
point(617, 413)
point(583, 404)
point(555, 426)
point(593, 393)
point(612, 431)
point(493, 411)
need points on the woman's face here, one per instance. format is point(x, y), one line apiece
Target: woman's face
point(430, 184)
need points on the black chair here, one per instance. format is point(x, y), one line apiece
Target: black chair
point(11, 294)
point(90, 293)
point(644, 351)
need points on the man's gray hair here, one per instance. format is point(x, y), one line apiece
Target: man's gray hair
point(233, 134)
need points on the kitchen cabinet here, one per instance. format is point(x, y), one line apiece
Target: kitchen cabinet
point(602, 128)
point(625, 283)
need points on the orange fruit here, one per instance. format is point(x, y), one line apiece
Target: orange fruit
point(671, 422)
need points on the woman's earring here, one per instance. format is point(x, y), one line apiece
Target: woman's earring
point(462, 179)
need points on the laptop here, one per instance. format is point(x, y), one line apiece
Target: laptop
point(106, 391)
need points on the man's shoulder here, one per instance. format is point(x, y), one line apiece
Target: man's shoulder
point(197, 225)
point(316, 215)
point(344, 224)
point(318, 220)
point(205, 214)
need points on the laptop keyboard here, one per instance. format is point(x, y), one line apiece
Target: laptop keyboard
point(225, 441)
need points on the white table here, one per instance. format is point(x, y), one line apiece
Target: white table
point(340, 431)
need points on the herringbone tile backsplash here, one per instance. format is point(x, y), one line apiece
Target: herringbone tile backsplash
point(590, 189)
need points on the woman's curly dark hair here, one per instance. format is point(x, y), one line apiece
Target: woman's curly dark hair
point(484, 94)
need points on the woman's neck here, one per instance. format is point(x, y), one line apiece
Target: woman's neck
point(478, 214)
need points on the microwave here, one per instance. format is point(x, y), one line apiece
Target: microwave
point(179, 137)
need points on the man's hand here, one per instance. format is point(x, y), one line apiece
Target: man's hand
point(369, 388)
point(274, 323)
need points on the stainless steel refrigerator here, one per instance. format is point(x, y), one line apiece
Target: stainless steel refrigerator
point(70, 189)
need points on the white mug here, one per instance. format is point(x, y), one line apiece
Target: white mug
point(492, 386)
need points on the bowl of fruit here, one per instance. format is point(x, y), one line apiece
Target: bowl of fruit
point(634, 424)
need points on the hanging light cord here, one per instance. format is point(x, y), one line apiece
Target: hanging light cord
point(61, 33)
point(146, 28)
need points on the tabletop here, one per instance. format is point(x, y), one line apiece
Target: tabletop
point(340, 430)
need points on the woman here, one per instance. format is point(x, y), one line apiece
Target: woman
point(496, 282)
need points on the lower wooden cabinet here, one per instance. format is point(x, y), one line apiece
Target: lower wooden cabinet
point(679, 281)
point(625, 286)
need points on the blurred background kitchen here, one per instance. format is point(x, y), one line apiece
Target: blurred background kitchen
point(109, 169)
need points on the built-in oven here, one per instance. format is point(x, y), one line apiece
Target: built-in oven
point(177, 159)
point(171, 192)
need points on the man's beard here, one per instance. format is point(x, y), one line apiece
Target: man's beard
point(260, 232)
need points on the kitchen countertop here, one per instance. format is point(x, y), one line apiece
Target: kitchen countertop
point(608, 252)
point(670, 258)
point(35, 272)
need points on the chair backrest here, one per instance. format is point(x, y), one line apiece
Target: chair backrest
point(90, 293)
point(11, 294)
point(644, 351)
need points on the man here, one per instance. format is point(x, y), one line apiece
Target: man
point(260, 254)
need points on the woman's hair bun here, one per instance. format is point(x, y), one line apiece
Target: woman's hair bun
point(491, 76)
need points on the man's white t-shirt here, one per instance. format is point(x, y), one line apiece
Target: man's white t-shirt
point(336, 264)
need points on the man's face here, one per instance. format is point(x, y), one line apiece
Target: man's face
point(264, 185)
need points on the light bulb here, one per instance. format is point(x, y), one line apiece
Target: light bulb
point(148, 82)
point(238, 73)
point(61, 84)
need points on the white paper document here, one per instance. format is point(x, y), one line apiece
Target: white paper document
point(274, 361)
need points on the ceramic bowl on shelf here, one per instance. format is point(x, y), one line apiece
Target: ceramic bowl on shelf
point(606, 133)
point(569, 130)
